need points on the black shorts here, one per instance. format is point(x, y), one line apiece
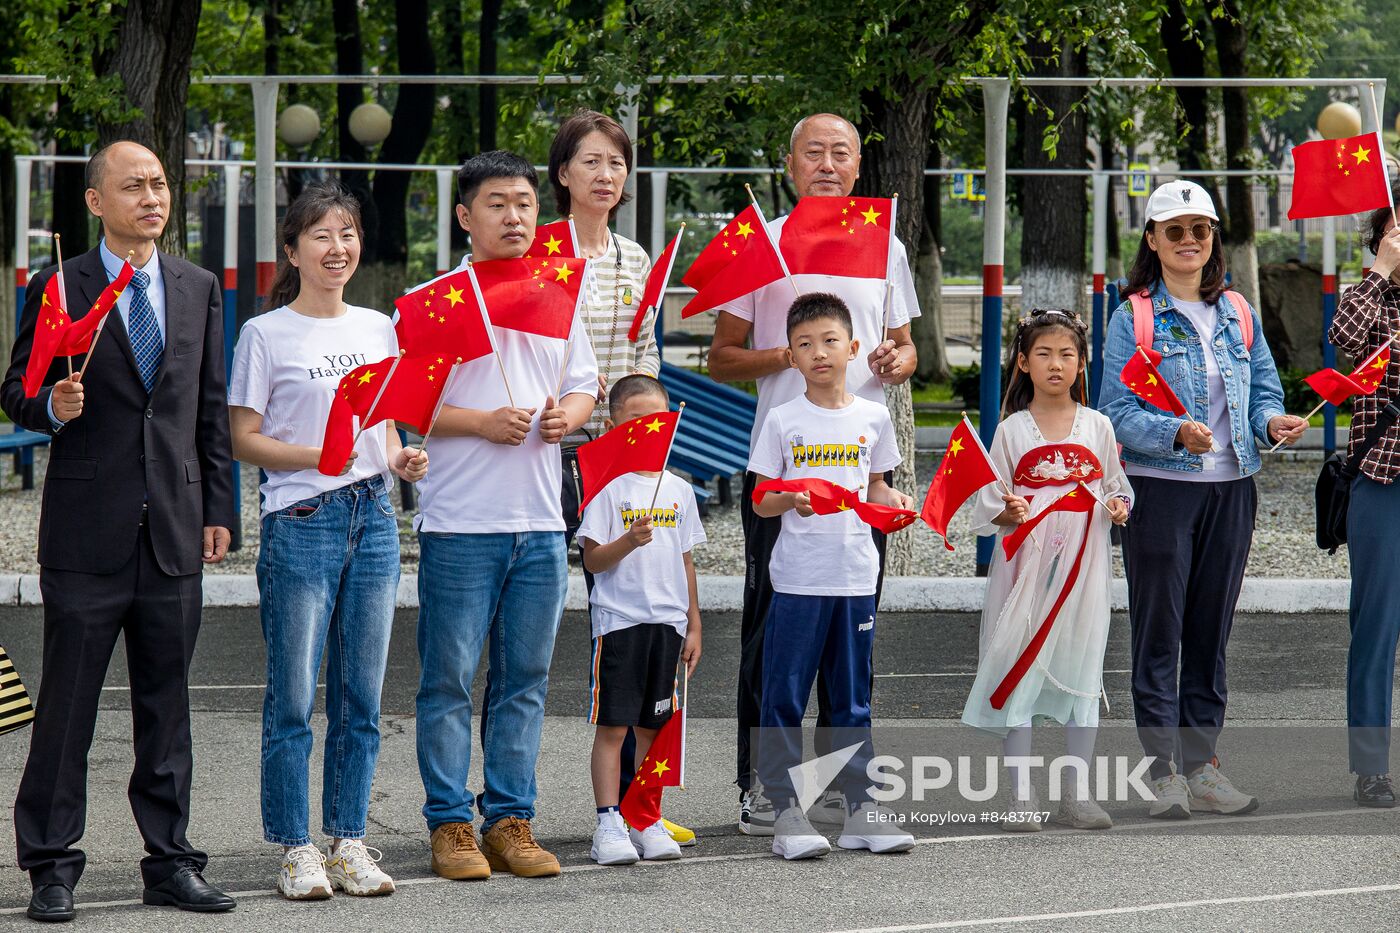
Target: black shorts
point(632, 679)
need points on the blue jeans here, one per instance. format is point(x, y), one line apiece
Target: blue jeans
point(1375, 622)
point(328, 571)
point(511, 587)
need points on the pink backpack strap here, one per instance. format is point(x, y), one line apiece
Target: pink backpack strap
point(1245, 318)
point(1142, 319)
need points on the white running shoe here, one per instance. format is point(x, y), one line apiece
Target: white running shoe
point(655, 843)
point(794, 837)
point(352, 868)
point(1212, 792)
point(1082, 814)
point(830, 809)
point(303, 875)
point(1173, 800)
point(756, 816)
point(611, 845)
point(1023, 816)
point(875, 828)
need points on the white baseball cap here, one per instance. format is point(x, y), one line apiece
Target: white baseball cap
point(1179, 198)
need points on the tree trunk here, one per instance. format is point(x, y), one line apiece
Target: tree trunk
point(155, 44)
point(71, 219)
point(903, 119)
point(486, 94)
point(272, 38)
point(349, 60)
point(927, 329)
point(1237, 221)
point(1052, 239)
point(457, 122)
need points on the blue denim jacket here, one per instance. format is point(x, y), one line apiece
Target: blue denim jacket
point(1252, 389)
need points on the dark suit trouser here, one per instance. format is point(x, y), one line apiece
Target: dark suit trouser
point(83, 614)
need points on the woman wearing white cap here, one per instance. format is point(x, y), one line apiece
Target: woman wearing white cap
point(1193, 519)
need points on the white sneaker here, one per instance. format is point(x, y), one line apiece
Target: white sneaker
point(1173, 800)
point(1023, 816)
point(352, 869)
point(1212, 792)
point(303, 875)
point(830, 809)
point(1082, 814)
point(756, 816)
point(611, 846)
point(655, 843)
point(875, 828)
point(794, 837)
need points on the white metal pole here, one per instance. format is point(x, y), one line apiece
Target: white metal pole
point(1099, 271)
point(627, 214)
point(659, 181)
point(232, 180)
point(23, 167)
point(996, 96)
point(1368, 125)
point(265, 180)
point(445, 203)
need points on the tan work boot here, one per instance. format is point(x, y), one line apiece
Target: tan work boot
point(511, 846)
point(455, 854)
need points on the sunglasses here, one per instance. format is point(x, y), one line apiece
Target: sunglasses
point(1200, 231)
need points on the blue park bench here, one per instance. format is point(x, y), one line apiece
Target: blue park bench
point(22, 444)
point(712, 442)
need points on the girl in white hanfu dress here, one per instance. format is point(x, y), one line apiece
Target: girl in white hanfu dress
point(1046, 614)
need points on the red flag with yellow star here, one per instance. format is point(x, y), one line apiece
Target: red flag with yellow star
point(53, 321)
point(639, 445)
point(655, 292)
point(830, 499)
point(838, 236)
point(1143, 380)
point(745, 255)
point(78, 337)
point(403, 389)
point(663, 767)
point(537, 295)
point(1363, 380)
point(1334, 177)
point(442, 318)
point(965, 468)
point(724, 248)
point(556, 239)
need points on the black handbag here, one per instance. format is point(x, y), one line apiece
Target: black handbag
point(1333, 492)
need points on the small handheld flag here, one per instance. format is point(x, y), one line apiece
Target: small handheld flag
point(1143, 380)
point(1336, 177)
point(830, 499)
point(640, 445)
point(965, 468)
point(655, 292)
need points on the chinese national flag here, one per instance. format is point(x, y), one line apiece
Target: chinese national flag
point(49, 331)
point(78, 337)
point(442, 318)
point(1371, 373)
point(411, 396)
point(1143, 380)
point(838, 236)
point(534, 295)
point(656, 285)
point(1079, 499)
point(639, 445)
point(1334, 177)
point(1363, 380)
point(556, 239)
point(964, 469)
point(664, 766)
point(738, 261)
point(831, 499)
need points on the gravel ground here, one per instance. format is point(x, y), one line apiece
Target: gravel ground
point(1283, 540)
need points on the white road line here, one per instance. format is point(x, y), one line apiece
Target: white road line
point(1137, 909)
point(961, 674)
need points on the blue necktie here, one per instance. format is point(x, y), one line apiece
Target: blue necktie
point(146, 342)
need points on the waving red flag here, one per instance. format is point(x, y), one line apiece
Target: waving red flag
point(1335, 177)
point(534, 295)
point(830, 499)
point(664, 766)
point(964, 469)
point(638, 446)
point(403, 389)
point(655, 292)
point(442, 318)
point(78, 337)
point(48, 336)
point(1363, 380)
point(724, 248)
point(1143, 380)
point(745, 254)
point(839, 236)
point(556, 239)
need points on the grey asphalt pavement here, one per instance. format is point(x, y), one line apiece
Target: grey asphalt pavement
point(1308, 860)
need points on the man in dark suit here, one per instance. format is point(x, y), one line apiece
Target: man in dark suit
point(137, 491)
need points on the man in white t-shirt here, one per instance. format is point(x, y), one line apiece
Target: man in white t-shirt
point(750, 342)
point(491, 538)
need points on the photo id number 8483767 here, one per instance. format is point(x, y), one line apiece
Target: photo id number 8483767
point(1019, 816)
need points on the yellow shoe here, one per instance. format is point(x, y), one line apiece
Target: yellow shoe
point(679, 834)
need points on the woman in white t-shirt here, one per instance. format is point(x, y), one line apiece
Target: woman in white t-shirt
point(328, 567)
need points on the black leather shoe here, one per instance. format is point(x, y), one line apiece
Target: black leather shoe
point(187, 890)
point(1374, 790)
point(51, 903)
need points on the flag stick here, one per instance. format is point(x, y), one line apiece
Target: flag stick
point(1097, 498)
point(423, 444)
point(1360, 366)
point(889, 262)
point(490, 330)
point(101, 329)
point(1305, 418)
point(564, 369)
point(62, 290)
point(375, 404)
point(1214, 447)
point(685, 705)
point(1380, 145)
point(769, 234)
point(680, 411)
